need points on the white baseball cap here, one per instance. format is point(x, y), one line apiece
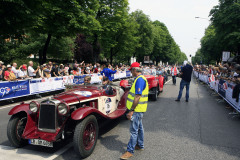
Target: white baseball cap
point(184, 63)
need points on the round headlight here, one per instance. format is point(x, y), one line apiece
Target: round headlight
point(33, 106)
point(62, 109)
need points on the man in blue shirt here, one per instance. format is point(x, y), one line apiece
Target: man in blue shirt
point(108, 72)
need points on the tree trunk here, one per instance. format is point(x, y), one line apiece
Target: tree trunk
point(157, 60)
point(40, 56)
point(95, 48)
point(44, 55)
point(238, 50)
point(111, 56)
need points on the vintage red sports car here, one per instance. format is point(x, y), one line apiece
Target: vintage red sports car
point(75, 112)
point(155, 82)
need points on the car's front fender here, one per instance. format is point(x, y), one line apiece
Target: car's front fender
point(152, 84)
point(161, 80)
point(81, 113)
point(19, 108)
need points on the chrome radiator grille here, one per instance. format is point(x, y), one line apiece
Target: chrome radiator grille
point(47, 117)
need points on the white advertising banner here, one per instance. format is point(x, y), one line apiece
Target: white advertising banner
point(96, 79)
point(40, 85)
point(47, 84)
point(119, 75)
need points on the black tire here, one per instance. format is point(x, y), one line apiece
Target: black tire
point(86, 128)
point(15, 129)
point(155, 95)
point(158, 90)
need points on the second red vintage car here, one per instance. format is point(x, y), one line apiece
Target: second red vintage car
point(155, 83)
point(75, 112)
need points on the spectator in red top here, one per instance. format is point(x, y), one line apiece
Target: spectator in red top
point(8, 72)
point(75, 71)
point(96, 70)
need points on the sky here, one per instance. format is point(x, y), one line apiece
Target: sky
point(179, 17)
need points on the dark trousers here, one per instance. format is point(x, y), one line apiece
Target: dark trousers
point(182, 84)
point(174, 79)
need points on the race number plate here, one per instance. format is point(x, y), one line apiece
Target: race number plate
point(40, 142)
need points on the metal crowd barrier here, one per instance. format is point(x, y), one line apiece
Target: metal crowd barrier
point(222, 87)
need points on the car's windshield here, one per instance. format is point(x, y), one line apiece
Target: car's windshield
point(149, 72)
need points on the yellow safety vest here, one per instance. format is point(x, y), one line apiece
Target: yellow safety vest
point(142, 104)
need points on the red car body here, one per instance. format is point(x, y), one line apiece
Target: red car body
point(85, 105)
point(155, 83)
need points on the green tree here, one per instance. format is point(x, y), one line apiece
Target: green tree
point(55, 18)
point(145, 34)
point(226, 20)
point(210, 48)
point(126, 40)
point(112, 16)
point(198, 58)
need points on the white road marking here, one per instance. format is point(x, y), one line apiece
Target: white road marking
point(61, 151)
point(168, 81)
point(12, 153)
point(7, 107)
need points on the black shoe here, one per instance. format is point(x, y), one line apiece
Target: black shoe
point(177, 100)
point(186, 100)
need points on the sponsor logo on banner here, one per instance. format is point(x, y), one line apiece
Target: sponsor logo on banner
point(221, 88)
point(4, 90)
point(14, 89)
point(17, 88)
point(75, 80)
point(225, 86)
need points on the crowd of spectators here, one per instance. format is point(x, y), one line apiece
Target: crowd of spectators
point(229, 72)
point(51, 69)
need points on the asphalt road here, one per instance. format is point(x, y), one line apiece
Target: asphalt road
point(199, 129)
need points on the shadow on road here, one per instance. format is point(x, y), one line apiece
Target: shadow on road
point(202, 121)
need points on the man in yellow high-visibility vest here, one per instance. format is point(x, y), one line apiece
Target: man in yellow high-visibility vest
point(137, 101)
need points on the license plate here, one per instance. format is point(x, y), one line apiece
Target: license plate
point(40, 142)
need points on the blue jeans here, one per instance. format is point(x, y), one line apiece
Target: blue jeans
point(182, 84)
point(136, 132)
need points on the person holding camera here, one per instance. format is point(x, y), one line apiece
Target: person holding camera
point(186, 74)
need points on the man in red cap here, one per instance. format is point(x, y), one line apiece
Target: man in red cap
point(22, 74)
point(137, 104)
